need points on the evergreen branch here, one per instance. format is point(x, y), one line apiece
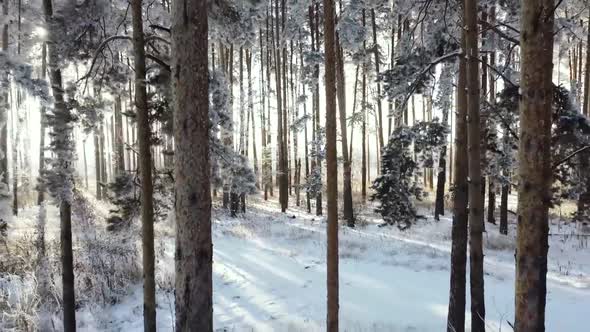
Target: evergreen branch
point(501, 74)
point(158, 38)
point(570, 156)
point(158, 61)
point(96, 53)
point(159, 27)
point(500, 32)
point(424, 71)
point(507, 126)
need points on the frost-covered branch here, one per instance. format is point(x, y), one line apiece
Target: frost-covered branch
point(97, 52)
point(570, 156)
point(427, 69)
point(22, 75)
point(500, 32)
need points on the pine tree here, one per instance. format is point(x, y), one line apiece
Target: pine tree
point(534, 159)
point(331, 166)
point(456, 313)
point(5, 106)
point(145, 170)
point(62, 179)
point(40, 182)
point(475, 177)
point(194, 251)
point(346, 167)
point(282, 172)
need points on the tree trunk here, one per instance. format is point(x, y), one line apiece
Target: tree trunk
point(331, 166)
point(492, 129)
point(263, 97)
point(583, 199)
point(282, 171)
point(251, 112)
point(379, 114)
point(346, 169)
point(391, 65)
point(456, 314)
point(15, 159)
point(119, 137)
point(475, 183)
point(63, 148)
point(439, 208)
point(103, 161)
point(586, 109)
point(145, 170)
point(227, 133)
point(354, 103)
point(534, 160)
point(504, 210)
point(483, 129)
point(269, 35)
point(303, 91)
point(241, 142)
point(315, 44)
point(194, 251)
point(67, 258)
point(294, 116)
point(364, 125)
point(5, 106)
point(97, 164)
point(41, 185)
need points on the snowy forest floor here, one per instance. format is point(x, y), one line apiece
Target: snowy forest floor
point(269, 273)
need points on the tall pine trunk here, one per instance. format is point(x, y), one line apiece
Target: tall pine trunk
point(492, 129)
point(534, 160)
point(251, 112)
point(379, 114)
point(446, 80)
point(282, 172)
point(346, 169)
point(331, 166)
point(194, 249)
point(364, 125)
point(145, 170)
point(475, 177)
point(119, 141)
point(584, 198)
point(97, 163)
point(5, 106)
point(316, 164)
point(40, 185)
point(456, 314)
point(63, 146)
point(306, 151)
point(586, 109)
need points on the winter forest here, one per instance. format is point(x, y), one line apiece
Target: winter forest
point(295, 165)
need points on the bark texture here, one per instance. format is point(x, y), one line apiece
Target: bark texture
point(475, 182)
point(40, 185)
point(346, 167)
point(331, 165)
point(4, 104)
point(456, 314)
point(534, 160)
point(194, 250)
point(145, 170)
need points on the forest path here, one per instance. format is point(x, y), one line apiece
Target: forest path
point(387, 283)
point(269, 275)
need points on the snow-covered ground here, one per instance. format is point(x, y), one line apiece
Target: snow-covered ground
point(269, 275)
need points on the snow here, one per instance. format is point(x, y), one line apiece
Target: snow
point(269, 275)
